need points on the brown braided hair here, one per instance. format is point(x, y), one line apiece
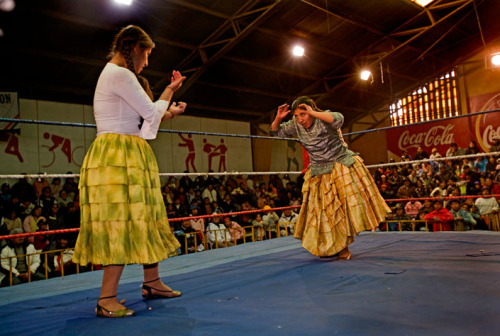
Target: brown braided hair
point(305, 100)
point(124, 42)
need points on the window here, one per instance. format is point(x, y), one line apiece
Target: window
point(435, 100)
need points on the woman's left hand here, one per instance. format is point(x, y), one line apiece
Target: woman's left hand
point(177, 108)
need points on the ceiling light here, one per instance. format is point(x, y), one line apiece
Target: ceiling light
point(422, 3)
point(495, 59)
point(124, 2)
point(365, 75)
point(298, 51)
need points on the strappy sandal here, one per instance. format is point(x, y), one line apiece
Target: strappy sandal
point(152, 296)
point(100, 311)
point(345, 254)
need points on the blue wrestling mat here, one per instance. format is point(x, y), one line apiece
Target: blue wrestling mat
point(442, 283)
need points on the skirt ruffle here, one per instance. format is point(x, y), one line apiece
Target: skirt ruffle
point(337, 206)
point(123, 217)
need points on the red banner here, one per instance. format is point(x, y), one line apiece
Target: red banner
point(440, 134)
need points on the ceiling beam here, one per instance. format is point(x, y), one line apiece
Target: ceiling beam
point(265, 12)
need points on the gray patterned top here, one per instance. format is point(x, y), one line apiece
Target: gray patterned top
point(323, 141)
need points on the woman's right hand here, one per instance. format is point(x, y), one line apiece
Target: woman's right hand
point(283, 110)
point(176, 80)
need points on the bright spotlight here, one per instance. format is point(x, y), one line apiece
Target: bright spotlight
point(495, 60)
point(365, 75)
point(124, 2)
point(298, 51)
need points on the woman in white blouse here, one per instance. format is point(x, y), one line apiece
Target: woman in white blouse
point(123, 217)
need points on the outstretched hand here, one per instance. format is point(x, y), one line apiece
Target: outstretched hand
point(177, 108)
point(307, 108)
point(176, 80)
point(283, 110)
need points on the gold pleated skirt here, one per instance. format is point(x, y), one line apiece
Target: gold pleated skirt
point(123, 217)
point(337, 206)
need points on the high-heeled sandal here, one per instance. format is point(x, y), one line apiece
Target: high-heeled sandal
point(344, 255)
point(152, 296)
point(100, 311)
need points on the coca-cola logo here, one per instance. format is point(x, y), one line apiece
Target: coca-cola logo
point(435, 136)
point(485, 131)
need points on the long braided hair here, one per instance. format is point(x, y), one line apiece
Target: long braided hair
point(124, 42)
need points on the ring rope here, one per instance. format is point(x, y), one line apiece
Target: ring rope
point(51, 232)
point(381, 165)
point(60, 123)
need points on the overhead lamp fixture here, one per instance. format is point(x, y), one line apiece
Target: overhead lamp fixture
point(124, 2)
point(495, 60)
point(422, 3)
point(298, 51)
point(366, 74)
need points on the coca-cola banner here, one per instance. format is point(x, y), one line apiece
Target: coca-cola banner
point(440, 134)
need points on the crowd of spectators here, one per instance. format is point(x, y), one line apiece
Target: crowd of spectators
point(43, 206)
point(437, 179)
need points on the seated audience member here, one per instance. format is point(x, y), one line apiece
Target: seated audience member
point(489, 210)
point(258, 227)
point(217, 233)
point(440, 191)
point(441, 218)
point(287, 222)
point(46, 200)
point(385, 192)
point(62, 260)
point(21, 270)
point(186, 237)
point(12, 221)
point(270, 219)
point(197, 224)
point(412, 208)
point(31, 222)
point(399, 215)
point(42, 242)
point(487, 204)
point(406, 190)
point(462, 217)
point(492, 186)
point(63, 200)
point(235, 230)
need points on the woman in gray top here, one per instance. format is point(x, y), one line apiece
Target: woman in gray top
point(340, 198)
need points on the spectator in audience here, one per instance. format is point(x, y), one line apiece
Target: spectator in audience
point(217, 233)
point(472, 148)
point(168, 195)
point(421, 154)
point(186, 182)
point(42, 242)
point(421, 190)
point(385, 192)
point(412, 208)
point(287, 222)
point(246, 219)
point(26, 207)
point(461, 216)
point(63, 200)
point(270, 219)
point(491, 166)
point(71, 186)
point(444, 175)
point(398, 216)
point(206, 208)
point(480, 164)
point(487, 204)
point(395, 180)
point(46, 200)
point(440, 191)
point(39, 184)
point(426, 180)
point(5, 195)
point(23, 190)
point(474, 212)
point(406, 190)
point(492, 186)
point(186, 237)
point(180, 209)
point(62, 260)
point(210, 193)
point(453, 150)
point(72, 221)
point(12, 220)
point(495, 147)
point(31, 222)
point(227, 204)
point(258, 227)
point(427, 207)
point(56, 187)
point(54, 219)
point(235, 230)
point(15, 253)
point(197, 224)
point(476, 189)
point(441, 218)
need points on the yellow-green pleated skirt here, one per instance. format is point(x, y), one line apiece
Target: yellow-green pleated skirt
point(123, 218)
point(337, 206)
